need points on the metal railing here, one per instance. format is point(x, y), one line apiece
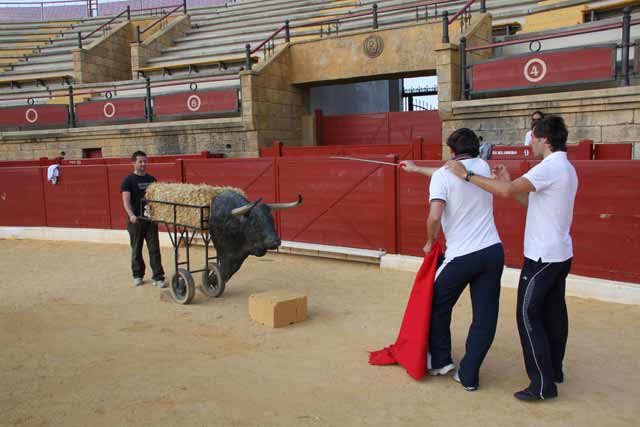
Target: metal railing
point(268, 44)
point(67, 9)
point(626, 25)
point(163, 19)
point(464, 14)
point(465, 18)
point(42, 5)
point(106, 27)
point(71, 93)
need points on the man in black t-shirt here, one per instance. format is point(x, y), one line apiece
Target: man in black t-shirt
point(132, 189)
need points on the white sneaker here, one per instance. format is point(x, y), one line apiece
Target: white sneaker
point(159, 284)
point(443, 371)
point(138, 281)
point(456, 378)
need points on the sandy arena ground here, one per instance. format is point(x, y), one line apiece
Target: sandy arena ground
point(80, 346)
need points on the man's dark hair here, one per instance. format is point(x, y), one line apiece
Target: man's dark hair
point(464, 141)
point(539, 113)
point(554, 129)
point(137, 154)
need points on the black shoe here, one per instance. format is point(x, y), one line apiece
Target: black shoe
point(529, 396)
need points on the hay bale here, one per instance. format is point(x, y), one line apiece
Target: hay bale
point(188, 194)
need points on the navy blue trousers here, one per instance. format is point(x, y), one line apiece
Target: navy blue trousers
point(482, 270)
point(543, 323)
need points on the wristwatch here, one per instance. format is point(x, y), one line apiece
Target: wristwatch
point(469, 175)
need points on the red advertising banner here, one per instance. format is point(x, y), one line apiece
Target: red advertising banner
point(551, 68)
point(33, 115)
point(110, 110)
point(213, 101)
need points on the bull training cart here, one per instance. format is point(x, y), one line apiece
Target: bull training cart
point(182, 285)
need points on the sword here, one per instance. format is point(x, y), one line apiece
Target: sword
point(365, 160)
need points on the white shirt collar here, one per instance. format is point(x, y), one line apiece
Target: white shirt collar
point(555, 154)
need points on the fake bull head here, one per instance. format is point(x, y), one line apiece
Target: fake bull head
point(240, 228)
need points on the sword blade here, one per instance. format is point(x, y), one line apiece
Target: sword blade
point(365, 160)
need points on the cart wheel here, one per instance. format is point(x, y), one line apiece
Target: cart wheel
point(183, 289)
point(212, 283)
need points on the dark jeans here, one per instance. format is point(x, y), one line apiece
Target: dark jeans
point(543, 323)
point(482, 270)
point(138, 233)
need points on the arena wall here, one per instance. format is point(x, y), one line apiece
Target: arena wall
point(226, 136)
point(272, 107)
point(605, 116)
point(406, 50)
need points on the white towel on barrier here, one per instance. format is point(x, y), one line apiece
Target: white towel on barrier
point(53, 172)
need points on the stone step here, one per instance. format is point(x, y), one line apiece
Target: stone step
point(269, 25)
point(258, 13)
point(52, 66)
point(247, 7)
point(5, 78)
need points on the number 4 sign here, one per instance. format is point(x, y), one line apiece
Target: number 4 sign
point(535, 70)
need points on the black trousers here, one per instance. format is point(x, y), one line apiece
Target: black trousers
point(483, 271)
point(543, 323)
point(138, 233)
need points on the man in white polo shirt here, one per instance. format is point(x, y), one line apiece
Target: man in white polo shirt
point(548, 191)
point(474, 255)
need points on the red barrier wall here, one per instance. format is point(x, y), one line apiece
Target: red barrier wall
point(22, 197)
point(127, 161)
point(606, 221)
point(80, 199)
point(381, 128)
point(613, 151)
point(255, 176)
point(345, 204)
point(412, 124)
point(411, 151)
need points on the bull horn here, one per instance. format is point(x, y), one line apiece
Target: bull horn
point(246, 208)
point(280, 206)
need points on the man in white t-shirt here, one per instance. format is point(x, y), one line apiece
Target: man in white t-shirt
point(474, 255)
point(535, 118)
point(548, 191)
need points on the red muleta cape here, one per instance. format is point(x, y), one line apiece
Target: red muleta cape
point(412, 345)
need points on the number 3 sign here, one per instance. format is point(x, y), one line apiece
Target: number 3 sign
point(535, 70)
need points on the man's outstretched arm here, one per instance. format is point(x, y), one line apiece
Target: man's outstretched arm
point(411, 167)
point(501, 186)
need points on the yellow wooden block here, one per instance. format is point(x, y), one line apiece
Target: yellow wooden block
point(64, 99)
point(278, 308)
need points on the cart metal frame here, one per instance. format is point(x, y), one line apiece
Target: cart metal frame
point(182, 286)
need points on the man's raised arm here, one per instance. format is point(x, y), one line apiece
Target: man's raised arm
point(500, 186)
